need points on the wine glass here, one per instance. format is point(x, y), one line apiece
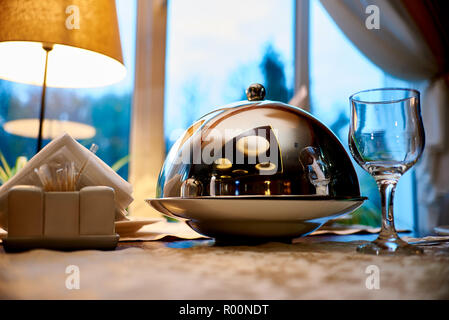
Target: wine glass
point(386, 138)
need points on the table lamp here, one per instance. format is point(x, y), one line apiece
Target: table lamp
point(56, 43)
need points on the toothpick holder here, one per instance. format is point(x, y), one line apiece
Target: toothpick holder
point(71, 220)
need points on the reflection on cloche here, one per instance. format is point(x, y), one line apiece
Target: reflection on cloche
point(258, 147)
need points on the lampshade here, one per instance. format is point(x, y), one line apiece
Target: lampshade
point(52, 128)
point(88, 56)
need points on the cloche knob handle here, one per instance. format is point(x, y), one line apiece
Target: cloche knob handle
point(255, 92)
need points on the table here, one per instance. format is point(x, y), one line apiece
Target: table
point(318, 267)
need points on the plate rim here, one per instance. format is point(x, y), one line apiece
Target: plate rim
point(263, 197)
point(160, 205)
point(146, 221)
point(442, 230)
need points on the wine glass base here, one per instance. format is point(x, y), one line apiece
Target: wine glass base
point(395, 246)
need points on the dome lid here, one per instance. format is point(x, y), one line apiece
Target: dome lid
point(258, 148)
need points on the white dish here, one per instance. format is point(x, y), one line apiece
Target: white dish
point(442, 230)
point(131, 226)
point(255, 216)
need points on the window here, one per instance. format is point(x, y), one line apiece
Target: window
point(107, 109)
point(337, 70)
point(216, 49)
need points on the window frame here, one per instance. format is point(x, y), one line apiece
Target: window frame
point(147, 138)
point(147, 149)
point(301, 54)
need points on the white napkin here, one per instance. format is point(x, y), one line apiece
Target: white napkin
point(65, 148)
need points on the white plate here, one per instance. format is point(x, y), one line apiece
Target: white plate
point(131, 226)
point(442, 230)
point(255, 216)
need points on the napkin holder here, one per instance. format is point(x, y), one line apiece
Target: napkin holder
point(69, 220)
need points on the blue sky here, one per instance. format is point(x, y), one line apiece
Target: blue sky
point(337, 68)
point(214, 49)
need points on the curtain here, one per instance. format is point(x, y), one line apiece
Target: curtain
point(411, 43)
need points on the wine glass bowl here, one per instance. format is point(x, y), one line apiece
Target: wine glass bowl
point(386, 138)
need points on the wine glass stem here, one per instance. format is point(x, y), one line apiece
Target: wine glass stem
point(387, 189)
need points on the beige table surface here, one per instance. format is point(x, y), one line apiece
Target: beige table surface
point(318, 267)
